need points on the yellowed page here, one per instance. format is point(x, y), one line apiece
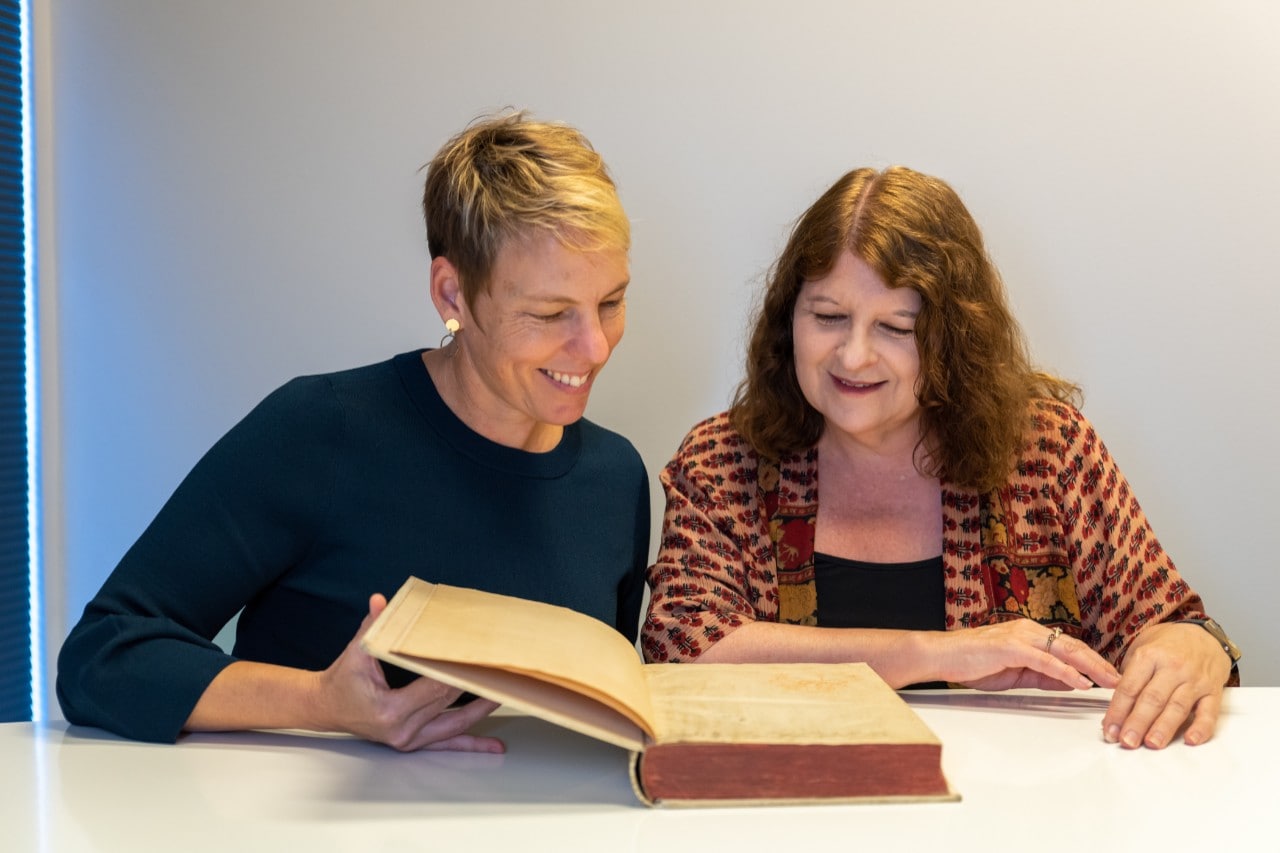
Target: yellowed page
point(553, 662)
point(790, 703)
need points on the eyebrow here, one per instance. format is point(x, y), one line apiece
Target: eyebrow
point(569, 300)
point(827, 300)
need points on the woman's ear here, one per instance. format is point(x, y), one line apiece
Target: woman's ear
point(446, 290)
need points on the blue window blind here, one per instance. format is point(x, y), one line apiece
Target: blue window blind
point(15, 593)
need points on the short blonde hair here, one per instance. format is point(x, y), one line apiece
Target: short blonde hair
point(507, 178)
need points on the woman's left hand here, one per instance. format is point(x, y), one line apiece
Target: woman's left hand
point(1174, 672)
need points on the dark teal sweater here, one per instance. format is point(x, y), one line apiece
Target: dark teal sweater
point(333, 488)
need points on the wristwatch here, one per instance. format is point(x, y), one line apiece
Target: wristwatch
point(1212, 626)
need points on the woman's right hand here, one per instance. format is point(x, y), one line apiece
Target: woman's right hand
point(1018, 653)
point(355, 698)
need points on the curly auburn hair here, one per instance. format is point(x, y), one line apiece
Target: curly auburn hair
point(976, 379)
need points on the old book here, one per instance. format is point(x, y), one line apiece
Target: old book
point(698, 734)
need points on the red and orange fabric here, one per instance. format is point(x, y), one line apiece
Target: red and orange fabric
point(1063, 542)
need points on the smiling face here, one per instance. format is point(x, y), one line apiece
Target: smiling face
point(856, 358)
point(533, 343)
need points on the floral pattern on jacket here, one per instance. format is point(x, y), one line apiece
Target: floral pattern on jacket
point(1063, 542)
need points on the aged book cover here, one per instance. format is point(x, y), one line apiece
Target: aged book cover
point(699, 734)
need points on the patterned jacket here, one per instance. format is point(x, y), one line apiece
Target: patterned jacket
point(1063, 542)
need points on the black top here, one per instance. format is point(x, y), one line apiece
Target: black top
point(857, 594)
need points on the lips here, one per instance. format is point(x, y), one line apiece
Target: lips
point(568, 380)
point(851, 385)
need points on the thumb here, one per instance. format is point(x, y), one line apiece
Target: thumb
point(377, 604)
point(361, 660)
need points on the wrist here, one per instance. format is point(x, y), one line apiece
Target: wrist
point(1219, 635)
point(316, 704)
point(920, 657)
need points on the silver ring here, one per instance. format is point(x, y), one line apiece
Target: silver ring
point(1053, 635)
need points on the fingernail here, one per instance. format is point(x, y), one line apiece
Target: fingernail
point(1155, 741)
point(1131, 739)
point(1112, 733)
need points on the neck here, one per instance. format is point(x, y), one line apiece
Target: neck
point(460, 388)
point(894, 458)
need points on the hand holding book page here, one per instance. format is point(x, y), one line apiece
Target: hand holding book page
point(698, 734)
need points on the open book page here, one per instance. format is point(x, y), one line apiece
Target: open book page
point(556, 663)
point(779, 704)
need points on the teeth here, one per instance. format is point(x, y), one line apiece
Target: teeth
point(572, 380)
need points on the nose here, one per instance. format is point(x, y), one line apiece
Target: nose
point(856, 350)
point(591, 341)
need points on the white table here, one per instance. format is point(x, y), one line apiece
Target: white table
point(1031, 768)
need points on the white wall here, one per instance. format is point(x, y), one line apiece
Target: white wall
point(229, 198)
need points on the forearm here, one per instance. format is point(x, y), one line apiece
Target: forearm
point(1008, 654)
point(249, 695)
point(899, 657)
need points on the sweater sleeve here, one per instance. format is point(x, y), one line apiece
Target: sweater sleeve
point(632, 588)
point(142, 653)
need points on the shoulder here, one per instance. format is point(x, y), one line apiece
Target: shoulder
point(1057, 428)
point(714, 454)
point(319, 388)
point(300, 406)
point(1061, 450)
point(711, 439)
point(714, 443)
point(605, 445)
point(358, 384)
point(317, 407)
point(1046, 414)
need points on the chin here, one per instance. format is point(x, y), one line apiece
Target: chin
point(563, 418)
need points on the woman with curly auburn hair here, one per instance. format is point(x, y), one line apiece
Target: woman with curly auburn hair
point(975, 377)
point(961, 489)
